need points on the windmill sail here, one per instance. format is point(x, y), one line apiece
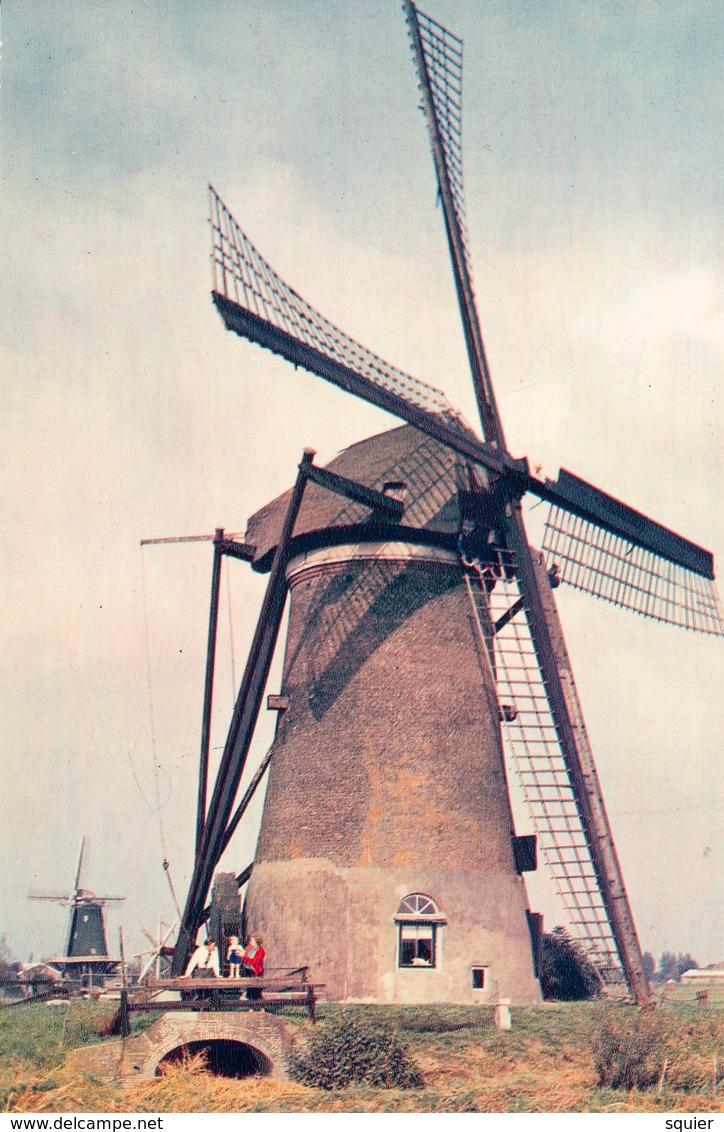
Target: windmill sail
point(592, 540)
point(259, 302)
point(595, 541)
point(439, 60)
point(438, 64)
point(629, 560)
point(533, 745)
point(442, 52)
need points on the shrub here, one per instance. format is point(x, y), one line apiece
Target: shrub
point(343, 1052)
point(566, 972)
point(630, 1049)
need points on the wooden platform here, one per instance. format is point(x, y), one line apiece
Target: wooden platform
point(280, 987)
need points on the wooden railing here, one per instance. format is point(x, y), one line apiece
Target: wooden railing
point(279, 986)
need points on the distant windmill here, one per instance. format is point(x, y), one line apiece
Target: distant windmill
point(86, 951)
point(422, 622)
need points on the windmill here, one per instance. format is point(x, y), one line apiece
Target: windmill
point(85, 955)
point(153, 958)
point(421, 624)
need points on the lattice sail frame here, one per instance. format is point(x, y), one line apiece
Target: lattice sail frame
point(531, 741)
point(443, 54)
point(595, 560)
point(243, 275)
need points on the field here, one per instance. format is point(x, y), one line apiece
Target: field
point(546, 1063)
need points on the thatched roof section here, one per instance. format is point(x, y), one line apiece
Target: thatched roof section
point(433, 476)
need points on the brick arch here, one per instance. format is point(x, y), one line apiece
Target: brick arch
point(138, 1058)
point(265, 1034)
point(227, 1057)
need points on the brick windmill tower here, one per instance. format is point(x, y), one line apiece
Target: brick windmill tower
point(421, 624)
point(386, 848)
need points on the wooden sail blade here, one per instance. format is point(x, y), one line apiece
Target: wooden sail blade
point(257, 304)
point(590, 558)
point(80, 865)
point(533, 747)
point(557, 760)
point(242, 275)
point(439, 61)
point(570, 493)
point(440, 66)
point(598, 544)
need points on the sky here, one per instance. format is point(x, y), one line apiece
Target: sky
point(593, 175)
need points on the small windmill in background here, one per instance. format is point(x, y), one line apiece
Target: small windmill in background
point(160, 952)
point(85, 958)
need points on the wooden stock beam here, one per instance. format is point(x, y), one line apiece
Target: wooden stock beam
point(249, 325)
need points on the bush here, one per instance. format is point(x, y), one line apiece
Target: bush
point(566, 972)
point(343, 1052)
point(630, 1050)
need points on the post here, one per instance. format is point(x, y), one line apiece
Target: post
point(125, 1025)
point(502, 1014)
point(208, 689)
point(311, 1003)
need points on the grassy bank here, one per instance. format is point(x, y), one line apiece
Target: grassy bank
point(546, 1063)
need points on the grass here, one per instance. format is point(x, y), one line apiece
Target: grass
point(546, 1063)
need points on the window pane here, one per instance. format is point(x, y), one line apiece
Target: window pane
point(424, 951)
point(417, 945)
point(416, 931)
point(407, 952)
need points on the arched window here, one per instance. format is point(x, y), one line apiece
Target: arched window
point(418, 919)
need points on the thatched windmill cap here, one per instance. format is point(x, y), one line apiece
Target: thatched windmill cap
point(402, 462)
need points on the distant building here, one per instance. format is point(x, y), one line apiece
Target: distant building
point(713, 974)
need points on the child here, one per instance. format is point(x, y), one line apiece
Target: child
point(234, 957)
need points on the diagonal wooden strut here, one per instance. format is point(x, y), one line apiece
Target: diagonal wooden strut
point(208, 691)
point(241, 729)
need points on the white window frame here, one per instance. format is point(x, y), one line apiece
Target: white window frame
point(479, 967)
point(418, 918)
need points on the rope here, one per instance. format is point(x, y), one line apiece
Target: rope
point(138, 784)
point(156, 765)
